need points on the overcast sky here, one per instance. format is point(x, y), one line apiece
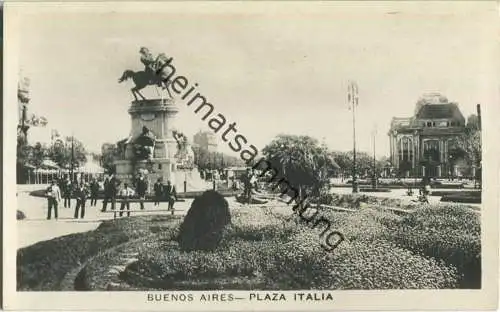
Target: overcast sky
point(279, 69)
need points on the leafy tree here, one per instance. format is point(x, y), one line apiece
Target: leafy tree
point(468, 145)
point(206, 160)
point(301, 160)
point(364, 162)
point(61, 152)
point(109, 153)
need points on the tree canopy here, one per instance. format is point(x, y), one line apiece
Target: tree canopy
point(301, 160)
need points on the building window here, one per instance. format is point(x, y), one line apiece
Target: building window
point(429, 124)
point(159, 166)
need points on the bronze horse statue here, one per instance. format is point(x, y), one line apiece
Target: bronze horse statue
point(143, 78)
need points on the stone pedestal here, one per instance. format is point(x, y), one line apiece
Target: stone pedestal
point(158, 116)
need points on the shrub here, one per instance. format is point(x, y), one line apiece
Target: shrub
point(204, 223)
point(20, 215)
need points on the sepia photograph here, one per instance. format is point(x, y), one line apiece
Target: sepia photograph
point(248, 156)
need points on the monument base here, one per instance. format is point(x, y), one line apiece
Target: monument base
point(156, 168)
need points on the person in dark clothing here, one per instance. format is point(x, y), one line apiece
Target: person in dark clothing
point(110, 191)
point(94, 191)
point(170, 195)
point(81, 194)
point(67, 191)
point(126, 193)
point(53, 197)
point(248, 184)
point(140, 189)
point(158, 190)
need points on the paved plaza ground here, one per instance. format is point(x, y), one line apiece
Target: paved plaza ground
point(36, 227)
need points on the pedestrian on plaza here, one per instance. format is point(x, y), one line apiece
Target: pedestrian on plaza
point(140, 189)
point(158, 190)
point(67, 192)
point(81, 194)
point(53, 198)
point(110, 192)
point(125, 194)
point(248, 183)
point(170, 194)
point(94, 191)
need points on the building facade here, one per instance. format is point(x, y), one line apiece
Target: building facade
point(205, 140)
point(420, 144)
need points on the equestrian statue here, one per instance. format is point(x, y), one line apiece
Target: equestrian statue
point(156, 73)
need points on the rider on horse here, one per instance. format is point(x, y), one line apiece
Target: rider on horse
point(152, 65)
point(149, 62)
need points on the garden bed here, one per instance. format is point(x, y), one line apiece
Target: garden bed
point(43, 266)
point(264, 249)
point(463, 197)
point(375, 190)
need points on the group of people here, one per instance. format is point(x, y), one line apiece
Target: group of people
point(65, 190)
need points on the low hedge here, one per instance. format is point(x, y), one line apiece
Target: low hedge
point(450, 234)
point(375, 190)
point(356, 200)
point(466, 198)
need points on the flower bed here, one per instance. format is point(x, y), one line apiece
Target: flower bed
point(450, 234)
point(266, 248)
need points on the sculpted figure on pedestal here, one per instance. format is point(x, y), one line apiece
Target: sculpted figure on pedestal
point(155, 73)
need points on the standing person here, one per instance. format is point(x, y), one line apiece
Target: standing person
point(110, 191)
point(126, 193)
point(140, 188)
point(170, 195)
point(94, 191)
point(248, 181)
point(53, 198)
point(67, 190)
point(81, 196)
point(158, 190)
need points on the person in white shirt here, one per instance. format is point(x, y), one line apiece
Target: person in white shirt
point(53, 197)
point(125, 193)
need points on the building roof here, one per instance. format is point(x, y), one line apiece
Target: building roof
point(439, 111)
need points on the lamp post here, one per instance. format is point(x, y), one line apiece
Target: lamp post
point(352, 97)
point(374, 182)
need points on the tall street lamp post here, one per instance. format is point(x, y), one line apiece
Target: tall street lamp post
point(374, 181)
point(352, 97)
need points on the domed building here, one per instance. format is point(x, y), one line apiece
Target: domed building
point(420, 144)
